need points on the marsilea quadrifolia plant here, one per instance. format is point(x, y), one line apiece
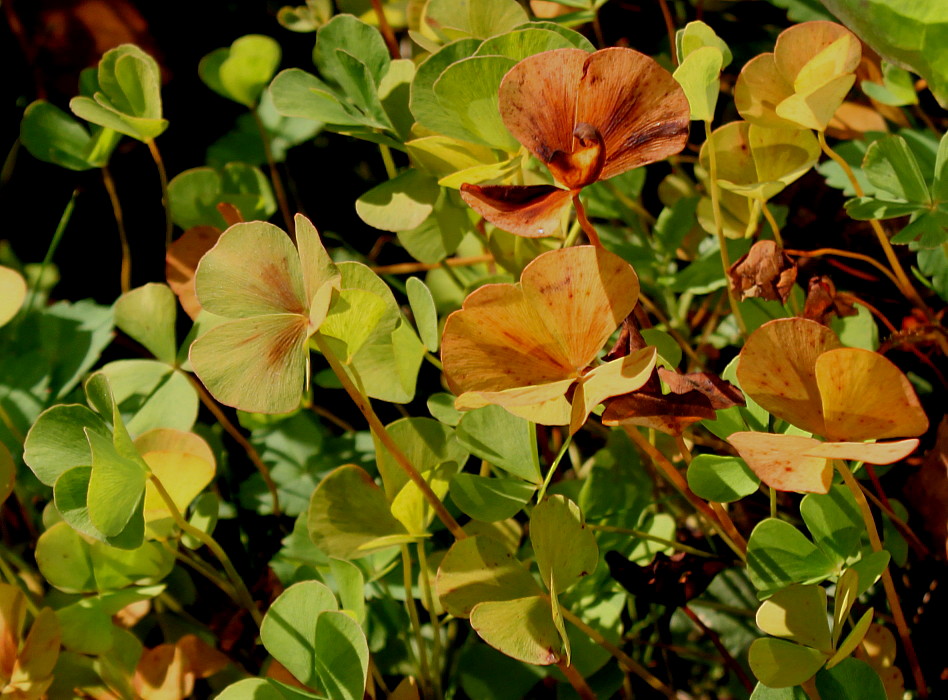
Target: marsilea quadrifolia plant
point(612, 459)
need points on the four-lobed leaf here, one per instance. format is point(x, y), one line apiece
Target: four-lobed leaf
point(275, 296)
point(525, 346)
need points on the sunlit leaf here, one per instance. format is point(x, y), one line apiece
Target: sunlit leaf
point(797, 613)
point(347, 511)
point(479, 569)
point(781, 664)
point(522, 628)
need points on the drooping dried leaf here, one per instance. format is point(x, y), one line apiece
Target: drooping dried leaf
point(778, 370)
point(822, 301)
point(720, 392)
point(765, 272)
point(670, 413)
point(692, 397)
point(527, 210)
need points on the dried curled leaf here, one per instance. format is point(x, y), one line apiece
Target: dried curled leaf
point(765, 272)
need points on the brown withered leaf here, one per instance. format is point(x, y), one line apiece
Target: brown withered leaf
point(669, 414)
point(765, 272)
point(693, 397)
point(720, 392)
point(182, 260)
point(822, 301)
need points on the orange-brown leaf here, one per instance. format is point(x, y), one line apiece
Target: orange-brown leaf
point(526, 210)
point(778, 370)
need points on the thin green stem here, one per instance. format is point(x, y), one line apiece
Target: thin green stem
point(719, 225)
point(389, 162)
point(163, 179)
point(423, 669)
point(278, 188)
point(629, 203)
point(773, 502)
point(887, 582)
point(564, 448)
point(204, 538)
point(365, 407)
point(905, 285)
point(626, 661)
point(772, 221)
point(437, 653)
point(51, 250)
point(572, 234)
point(651, 538)
point(125, 276)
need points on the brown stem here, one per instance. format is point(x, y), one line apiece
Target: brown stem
point(721, 521)
point(729, 660)
point(576, 680)
point(278, 188)
point(887, 582)
point(204, 538)
point(386, 29)
point(900, 524)
point(670, 28)
point(845, 254)
point(125, 277)
point(587, 226)
point(365, 407)
point(625, 661)
point(231, 430)
point(163, 179)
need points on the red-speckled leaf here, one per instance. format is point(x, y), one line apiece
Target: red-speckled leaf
point(778, 370)
point(866, 397)
point(783, 462)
